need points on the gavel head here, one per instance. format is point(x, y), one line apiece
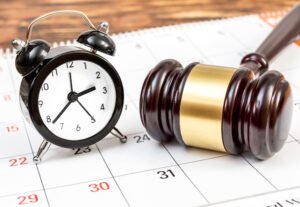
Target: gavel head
point(218, 108)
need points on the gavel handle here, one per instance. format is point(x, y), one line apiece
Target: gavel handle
point(283, 34)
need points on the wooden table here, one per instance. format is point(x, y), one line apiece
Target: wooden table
point(123, 15)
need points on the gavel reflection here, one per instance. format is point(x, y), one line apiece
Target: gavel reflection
point(221, 108)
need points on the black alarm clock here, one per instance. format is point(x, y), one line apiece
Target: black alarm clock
point(71, 95)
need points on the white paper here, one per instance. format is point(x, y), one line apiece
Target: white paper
point(143, 172)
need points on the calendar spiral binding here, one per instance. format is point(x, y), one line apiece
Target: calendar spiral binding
point(8, 52)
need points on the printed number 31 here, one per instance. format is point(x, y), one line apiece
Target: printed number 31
point(164, 174)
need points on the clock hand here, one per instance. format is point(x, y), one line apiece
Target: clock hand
point(86, 91)
point(61, 112)
point(71, 84)
point(93, 119)
point(74, 97)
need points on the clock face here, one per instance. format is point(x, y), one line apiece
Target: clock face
point(77, 100)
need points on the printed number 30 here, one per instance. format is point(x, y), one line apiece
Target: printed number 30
point(97, 187)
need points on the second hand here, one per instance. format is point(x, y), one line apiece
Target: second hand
point(93, 119)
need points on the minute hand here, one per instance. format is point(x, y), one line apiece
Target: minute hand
point(86, 91)
point(61, 112)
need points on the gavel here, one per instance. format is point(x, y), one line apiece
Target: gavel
point(221, 108)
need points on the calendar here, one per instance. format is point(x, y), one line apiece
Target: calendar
point(143, 172)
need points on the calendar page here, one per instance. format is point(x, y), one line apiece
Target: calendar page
point(143, 172)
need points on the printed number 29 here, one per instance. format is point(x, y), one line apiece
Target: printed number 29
point(23, 200)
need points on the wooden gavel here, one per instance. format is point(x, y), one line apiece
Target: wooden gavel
point(220, 108)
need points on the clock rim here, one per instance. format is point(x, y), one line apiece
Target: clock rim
point(43, 73)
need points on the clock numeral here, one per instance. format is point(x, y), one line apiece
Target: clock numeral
point(54, 73)
point(98, 75)
point(102, 107)
point(61, 125)
point(78, 128)
point(85, 66)
point(41, 103)
point(104, 90)
point(70, 65)
point(45, 87)
point(165, 174)
point(48, 118)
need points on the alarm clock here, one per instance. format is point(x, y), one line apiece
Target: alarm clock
point(71, 95)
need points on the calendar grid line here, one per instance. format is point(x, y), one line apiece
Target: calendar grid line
point(105, 178)
point(200, 51)
point(143, 171)
point(195, 186)
point(245, 47)
point(137, 172)
point(146, 45)
point(27, 136)
point(291, 69)
point(78, 183)
point(19, 193)
point(17, 155)
point(241, 42)
point(110, 138)
point(127, 202)
point(202, 160)
point(142, 39)
point(181, 163)
point(133, 176)
point(7, 92)
point(292, 136)
point(133, 102)
point(193, 45)
point(296, 140)
point(30, 153)
point(205, 205)
point(252, 196)
point(260, 173)
point(55, 187)
point(150, 51)
point(42, 182)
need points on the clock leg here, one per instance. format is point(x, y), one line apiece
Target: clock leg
point(41, 152)
point(119, 135)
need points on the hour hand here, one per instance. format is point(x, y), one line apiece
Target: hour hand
point(86, 91)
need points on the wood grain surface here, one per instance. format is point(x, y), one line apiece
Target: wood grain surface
point(123, 15)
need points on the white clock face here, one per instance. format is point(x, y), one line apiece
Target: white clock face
point(77, 100)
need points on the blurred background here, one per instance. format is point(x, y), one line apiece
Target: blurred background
point(123, 15)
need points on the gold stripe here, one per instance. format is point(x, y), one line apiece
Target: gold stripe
point(202, 106)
